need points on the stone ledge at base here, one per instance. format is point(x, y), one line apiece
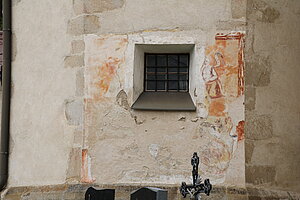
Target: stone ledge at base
point(77, 192)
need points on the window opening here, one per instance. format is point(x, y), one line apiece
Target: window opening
point(166, 72)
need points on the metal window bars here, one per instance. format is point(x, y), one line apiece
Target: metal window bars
point(168, 72)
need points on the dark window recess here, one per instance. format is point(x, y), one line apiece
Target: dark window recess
point(166, 72)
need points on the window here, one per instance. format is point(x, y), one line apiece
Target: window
point(161, 78)
point(166, 73)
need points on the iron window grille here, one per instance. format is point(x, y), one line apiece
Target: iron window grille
point(167, 72)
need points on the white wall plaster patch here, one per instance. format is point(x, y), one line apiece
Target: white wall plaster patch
point(153, 149)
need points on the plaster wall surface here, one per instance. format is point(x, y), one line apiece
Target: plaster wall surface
point(272, 94)
point(40, 137)
point(72, 88)
point(151, 147)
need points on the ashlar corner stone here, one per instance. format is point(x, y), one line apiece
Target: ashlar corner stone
point(258, 175)
point(74, 61)
point(265, 13)
point(258, 127)
point(238, 8)
point(77, 46)
point(84, 24)
point(259, 72)
point(96, 6)
point(250, 99)
point(80, 82)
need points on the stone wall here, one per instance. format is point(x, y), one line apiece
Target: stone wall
point(120, 145)
point(272, 95)
point(40, 137)
point(73, 83)
point(72, 80)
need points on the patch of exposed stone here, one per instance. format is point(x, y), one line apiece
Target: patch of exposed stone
point(264, 12)
point(83, 24)
point(96, 6)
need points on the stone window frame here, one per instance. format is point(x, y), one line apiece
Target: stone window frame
point(163, 101)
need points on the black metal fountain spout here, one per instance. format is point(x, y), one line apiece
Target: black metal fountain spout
point(197, 187)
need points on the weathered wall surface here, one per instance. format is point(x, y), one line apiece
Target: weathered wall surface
point(151, 147)
point(40, 137)
point(73, 88)
point(272, 94)
point(120, 145)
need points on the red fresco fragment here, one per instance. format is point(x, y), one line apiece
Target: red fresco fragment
point(240, 130)
point(217, 107)
point(223, 71)
point(85, 178)
point(106, 73)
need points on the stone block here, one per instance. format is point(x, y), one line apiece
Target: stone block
point(254, 198)
point(270, 15)
point(264, 12)
point(74, 112)
point(249, 147)
point(258, 72)
point(250, 98)
point(258, 127)
point(237, 197)
point(258, 175)
point(77, 46)
point(74, 169)
point(91, 24)
point(96, 6)
point(80, 82)
point(74, 61)
point(84, 24)
point(78, 6)
point(238, 8)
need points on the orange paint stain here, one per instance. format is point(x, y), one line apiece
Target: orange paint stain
point(217, 107)
point(105, 74)
point(86, 176)
point(240, 130)
point(222, 43)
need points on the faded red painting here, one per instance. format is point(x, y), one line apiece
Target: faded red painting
point(223, 71)
point(240, 130)
point(106, 73)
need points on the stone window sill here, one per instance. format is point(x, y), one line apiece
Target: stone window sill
point(164, 101)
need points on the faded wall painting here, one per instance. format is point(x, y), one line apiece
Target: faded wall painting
point(223, 75)
point(122, 145)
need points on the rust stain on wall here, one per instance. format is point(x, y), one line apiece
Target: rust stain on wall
point(240, 130)
point(86, 175)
